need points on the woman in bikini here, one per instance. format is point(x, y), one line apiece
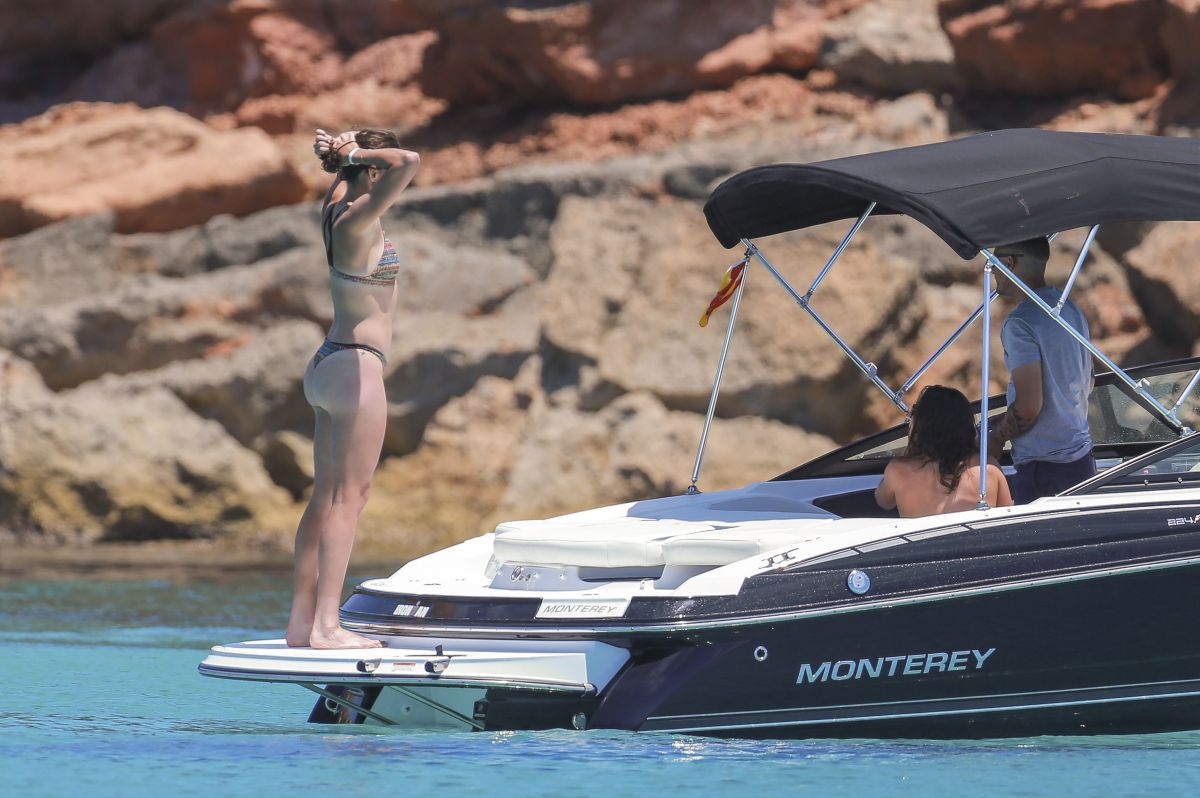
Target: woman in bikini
point(939, 471)
point(344, 379)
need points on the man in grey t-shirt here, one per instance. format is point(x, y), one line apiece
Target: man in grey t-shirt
point(1051, 378)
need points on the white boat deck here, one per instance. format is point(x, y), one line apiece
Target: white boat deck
point(570, 667)
point(699, 545)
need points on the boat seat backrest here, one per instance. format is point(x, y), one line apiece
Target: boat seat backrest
point(644, 542)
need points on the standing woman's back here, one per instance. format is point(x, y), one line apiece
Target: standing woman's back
point(344, 381)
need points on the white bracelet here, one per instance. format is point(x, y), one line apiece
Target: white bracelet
point(350, 157)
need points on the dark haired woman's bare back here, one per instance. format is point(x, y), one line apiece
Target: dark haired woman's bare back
point(914, 487)
point(344, 380)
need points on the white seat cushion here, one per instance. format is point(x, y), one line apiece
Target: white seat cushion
point(724, 546)
point(647, 542)
point(622, 543)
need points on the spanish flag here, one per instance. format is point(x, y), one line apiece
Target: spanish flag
point(729, 284)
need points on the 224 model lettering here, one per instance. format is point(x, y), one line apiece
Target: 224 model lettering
point(900, 665)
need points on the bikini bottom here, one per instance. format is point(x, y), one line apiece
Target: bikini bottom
point(329, 347)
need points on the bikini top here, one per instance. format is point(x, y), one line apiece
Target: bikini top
point(385, 271)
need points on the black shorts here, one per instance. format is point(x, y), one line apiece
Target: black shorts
point(1039, 478)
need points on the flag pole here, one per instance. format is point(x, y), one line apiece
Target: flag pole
point(716, 389)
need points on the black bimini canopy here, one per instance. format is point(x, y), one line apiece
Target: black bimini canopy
point(976, 192)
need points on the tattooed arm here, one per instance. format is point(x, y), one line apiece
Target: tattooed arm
point(1024, 410)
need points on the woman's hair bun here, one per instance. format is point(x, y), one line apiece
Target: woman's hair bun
point(329, 161)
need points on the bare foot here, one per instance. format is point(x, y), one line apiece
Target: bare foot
point(296, 639)
point(340, 638)
point(299, 630)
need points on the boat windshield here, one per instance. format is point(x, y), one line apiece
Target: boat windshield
point(1176, 466)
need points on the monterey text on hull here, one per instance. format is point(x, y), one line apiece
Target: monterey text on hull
point(796, 607)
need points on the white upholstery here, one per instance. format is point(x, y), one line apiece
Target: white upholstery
point(721, 547)
point(622, 543)
point(708, 530)
point(646, 542)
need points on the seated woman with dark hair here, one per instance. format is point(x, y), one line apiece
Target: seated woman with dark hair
point(939, 471)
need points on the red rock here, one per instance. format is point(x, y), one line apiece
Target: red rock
point(156, 169)
point(1052, 48)
point(1112, 311)
point(1165, 287)
point(376, 87)
point(1102, 288)
point(394, 61)
point(399, 108)
point(207, 56)
point(896, 46)
point(372, 20)
point(244, 50)
point(249, 48)
point(755, 101)
point(609, 51)
point(104, 462)
point(79, 26)
point(132, 73)
point(1181, 29)
point(1138, 117)
point(1181, 106)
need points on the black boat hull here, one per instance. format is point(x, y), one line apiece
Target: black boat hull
point(1071, 620)
point(1114, 653)
point(1104, 653)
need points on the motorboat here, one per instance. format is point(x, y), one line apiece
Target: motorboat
point(796, 607)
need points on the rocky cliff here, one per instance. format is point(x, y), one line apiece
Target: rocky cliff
point(162, 280)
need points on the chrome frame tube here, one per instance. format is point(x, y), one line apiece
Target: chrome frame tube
point(911, 381)
point(837, 253)
point(1083, 253)
point(350, 705)
point(868, 369)
point(1138, 387)
point(1183, 397)
point(986, 307)
point(716, 389)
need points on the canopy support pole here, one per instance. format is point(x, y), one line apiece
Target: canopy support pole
point(986, 307)
point(1183, 397)
point(869, 369)
point(1083, 253)
point(837, 253)
point(962, 328)
point(1139, 388)
point(716, 389)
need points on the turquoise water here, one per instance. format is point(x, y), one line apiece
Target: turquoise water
point(101, 697)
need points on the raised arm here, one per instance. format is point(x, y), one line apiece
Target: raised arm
point(396, 168)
